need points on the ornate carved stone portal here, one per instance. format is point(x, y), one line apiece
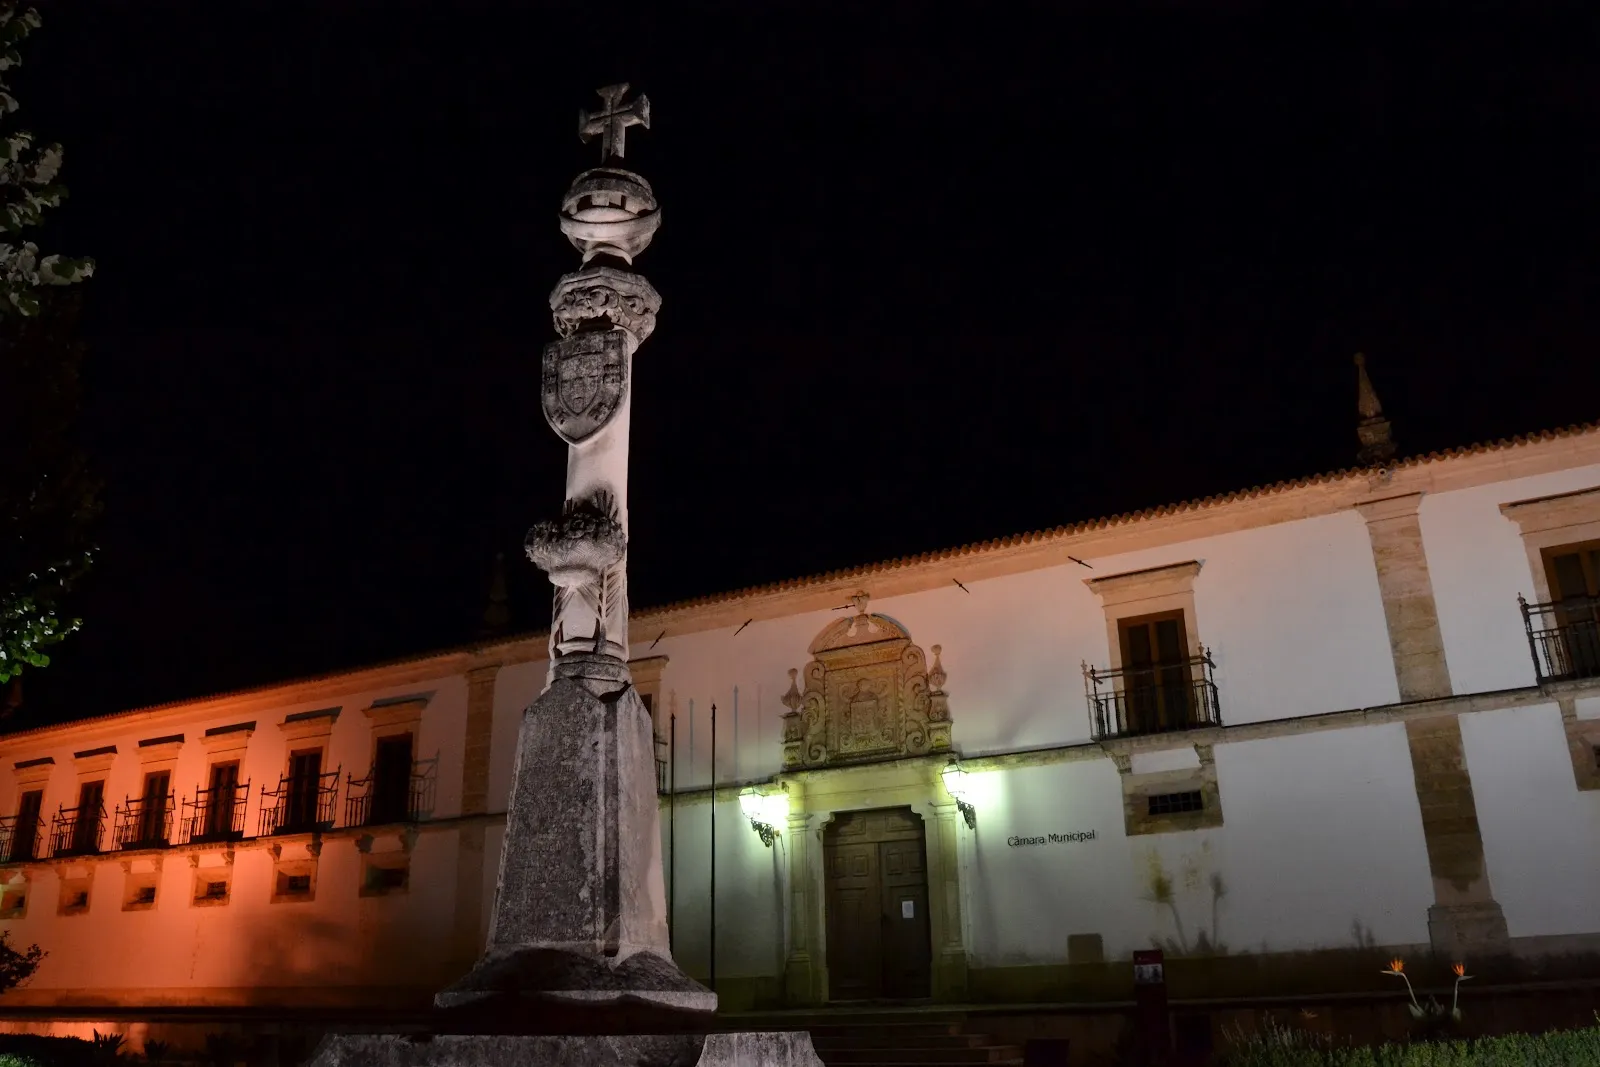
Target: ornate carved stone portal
point(868, 694)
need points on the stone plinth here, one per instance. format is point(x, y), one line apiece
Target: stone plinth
point(580, 908)
point(668, 1050)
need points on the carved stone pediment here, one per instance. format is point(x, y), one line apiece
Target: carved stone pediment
point(867, 694)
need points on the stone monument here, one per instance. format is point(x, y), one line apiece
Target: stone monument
point(577, 968)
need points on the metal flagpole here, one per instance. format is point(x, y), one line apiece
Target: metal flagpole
point(712, 982)
point(672, 828)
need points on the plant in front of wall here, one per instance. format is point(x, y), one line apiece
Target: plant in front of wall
point(1432, 1014)
point(107, 1048)
point(156, 1052)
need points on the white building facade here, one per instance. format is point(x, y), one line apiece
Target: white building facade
point(1278, 735)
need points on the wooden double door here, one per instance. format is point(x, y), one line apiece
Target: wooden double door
point(879, 940)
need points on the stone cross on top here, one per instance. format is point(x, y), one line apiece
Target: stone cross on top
point(611, 122)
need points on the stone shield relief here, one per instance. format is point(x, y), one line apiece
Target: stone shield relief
point(584, 378)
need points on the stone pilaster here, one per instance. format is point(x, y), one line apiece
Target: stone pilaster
point(803, 967)
point(1465, 919)
point(1407, 591)
point(480, 729)
point(467, 922)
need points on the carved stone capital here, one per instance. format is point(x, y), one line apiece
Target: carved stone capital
point(621, 297)
point(577, 548)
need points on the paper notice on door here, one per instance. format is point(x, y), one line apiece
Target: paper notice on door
point(908, 909)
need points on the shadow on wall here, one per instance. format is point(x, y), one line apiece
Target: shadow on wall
point(1181, 892)
point(286, 954)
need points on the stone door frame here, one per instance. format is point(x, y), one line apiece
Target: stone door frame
point(816, 797)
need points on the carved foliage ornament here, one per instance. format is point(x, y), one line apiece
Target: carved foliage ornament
point(623, 298)
point(867, 695)
point(583, 381)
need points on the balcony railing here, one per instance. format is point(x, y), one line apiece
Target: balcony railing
point(143, 822)
point(662, 783)
point(1563, 637)
point(1158, 699)
point(215, 814)
point(20, 836)
point(299, 805)
point(368, 802)
point(77, 832)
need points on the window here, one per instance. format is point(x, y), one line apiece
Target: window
point(78, 898)
point(25, 836)
point(215, 890)
point(297, 883)
point(1157, 683)
point(221, 798)
point(153, 811)
point(1574, 575)
point(305, 780)
point(382, 880)
point(145, 894)
point(391, 780)
point(86, 826)
point(1174, 803)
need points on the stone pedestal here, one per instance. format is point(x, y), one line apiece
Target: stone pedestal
point(784, 1049)
point(580, 909)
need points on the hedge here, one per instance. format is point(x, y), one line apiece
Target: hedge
point(1287, 1048)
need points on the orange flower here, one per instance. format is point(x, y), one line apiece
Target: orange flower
point(1397, 965)
point(1460, 969)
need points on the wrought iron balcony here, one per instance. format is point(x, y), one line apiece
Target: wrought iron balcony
point(19, 838)
point(77, 831)
point(371, 801)
point(300, 805)
point(215, 814)
point(1157, 699)
point(143, 822)
point(1563, 637)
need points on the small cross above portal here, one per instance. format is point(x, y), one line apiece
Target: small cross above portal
point(611, 122)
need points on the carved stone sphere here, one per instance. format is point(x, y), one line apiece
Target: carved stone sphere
point(610, 211)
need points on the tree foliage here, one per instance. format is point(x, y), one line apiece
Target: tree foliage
point(17, 967)
point(46, 497)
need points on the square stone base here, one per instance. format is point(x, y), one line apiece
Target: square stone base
point(780, 1049)
point(1468, 931)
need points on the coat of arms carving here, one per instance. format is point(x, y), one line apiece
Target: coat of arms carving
point(583, 382)
point(869, 694)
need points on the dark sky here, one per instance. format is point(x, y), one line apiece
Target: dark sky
point(926, 281)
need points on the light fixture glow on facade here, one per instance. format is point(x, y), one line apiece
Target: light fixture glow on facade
point(766, 811)
point(955, 778)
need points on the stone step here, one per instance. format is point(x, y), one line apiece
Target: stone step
point(907, 1028)
point(877, 1038)
point(892, 1059)
point(950, 1054)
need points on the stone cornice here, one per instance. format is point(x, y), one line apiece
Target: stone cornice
point(1403, 506)
point(1553, 512)
point(1143, 584)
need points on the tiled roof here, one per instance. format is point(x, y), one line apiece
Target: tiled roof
point(1124, 519)
point(899, 563)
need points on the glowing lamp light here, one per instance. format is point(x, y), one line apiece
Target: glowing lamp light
point(955, 783)
point(766, 811)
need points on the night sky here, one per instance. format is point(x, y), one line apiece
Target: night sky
point(925, 282)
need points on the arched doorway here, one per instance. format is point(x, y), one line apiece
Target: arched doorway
point(879, 939)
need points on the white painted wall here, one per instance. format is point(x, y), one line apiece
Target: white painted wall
point(1478, 565)
point(750, 892)
point(1540, 833)
point(1321, 838)
point(221, 952)
point(1291, 612)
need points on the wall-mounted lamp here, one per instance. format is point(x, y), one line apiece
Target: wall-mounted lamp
point(766, 811)
point(955, 783)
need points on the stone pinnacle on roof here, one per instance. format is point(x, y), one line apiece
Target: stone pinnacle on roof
point(1377, 442)
point(497, 615)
